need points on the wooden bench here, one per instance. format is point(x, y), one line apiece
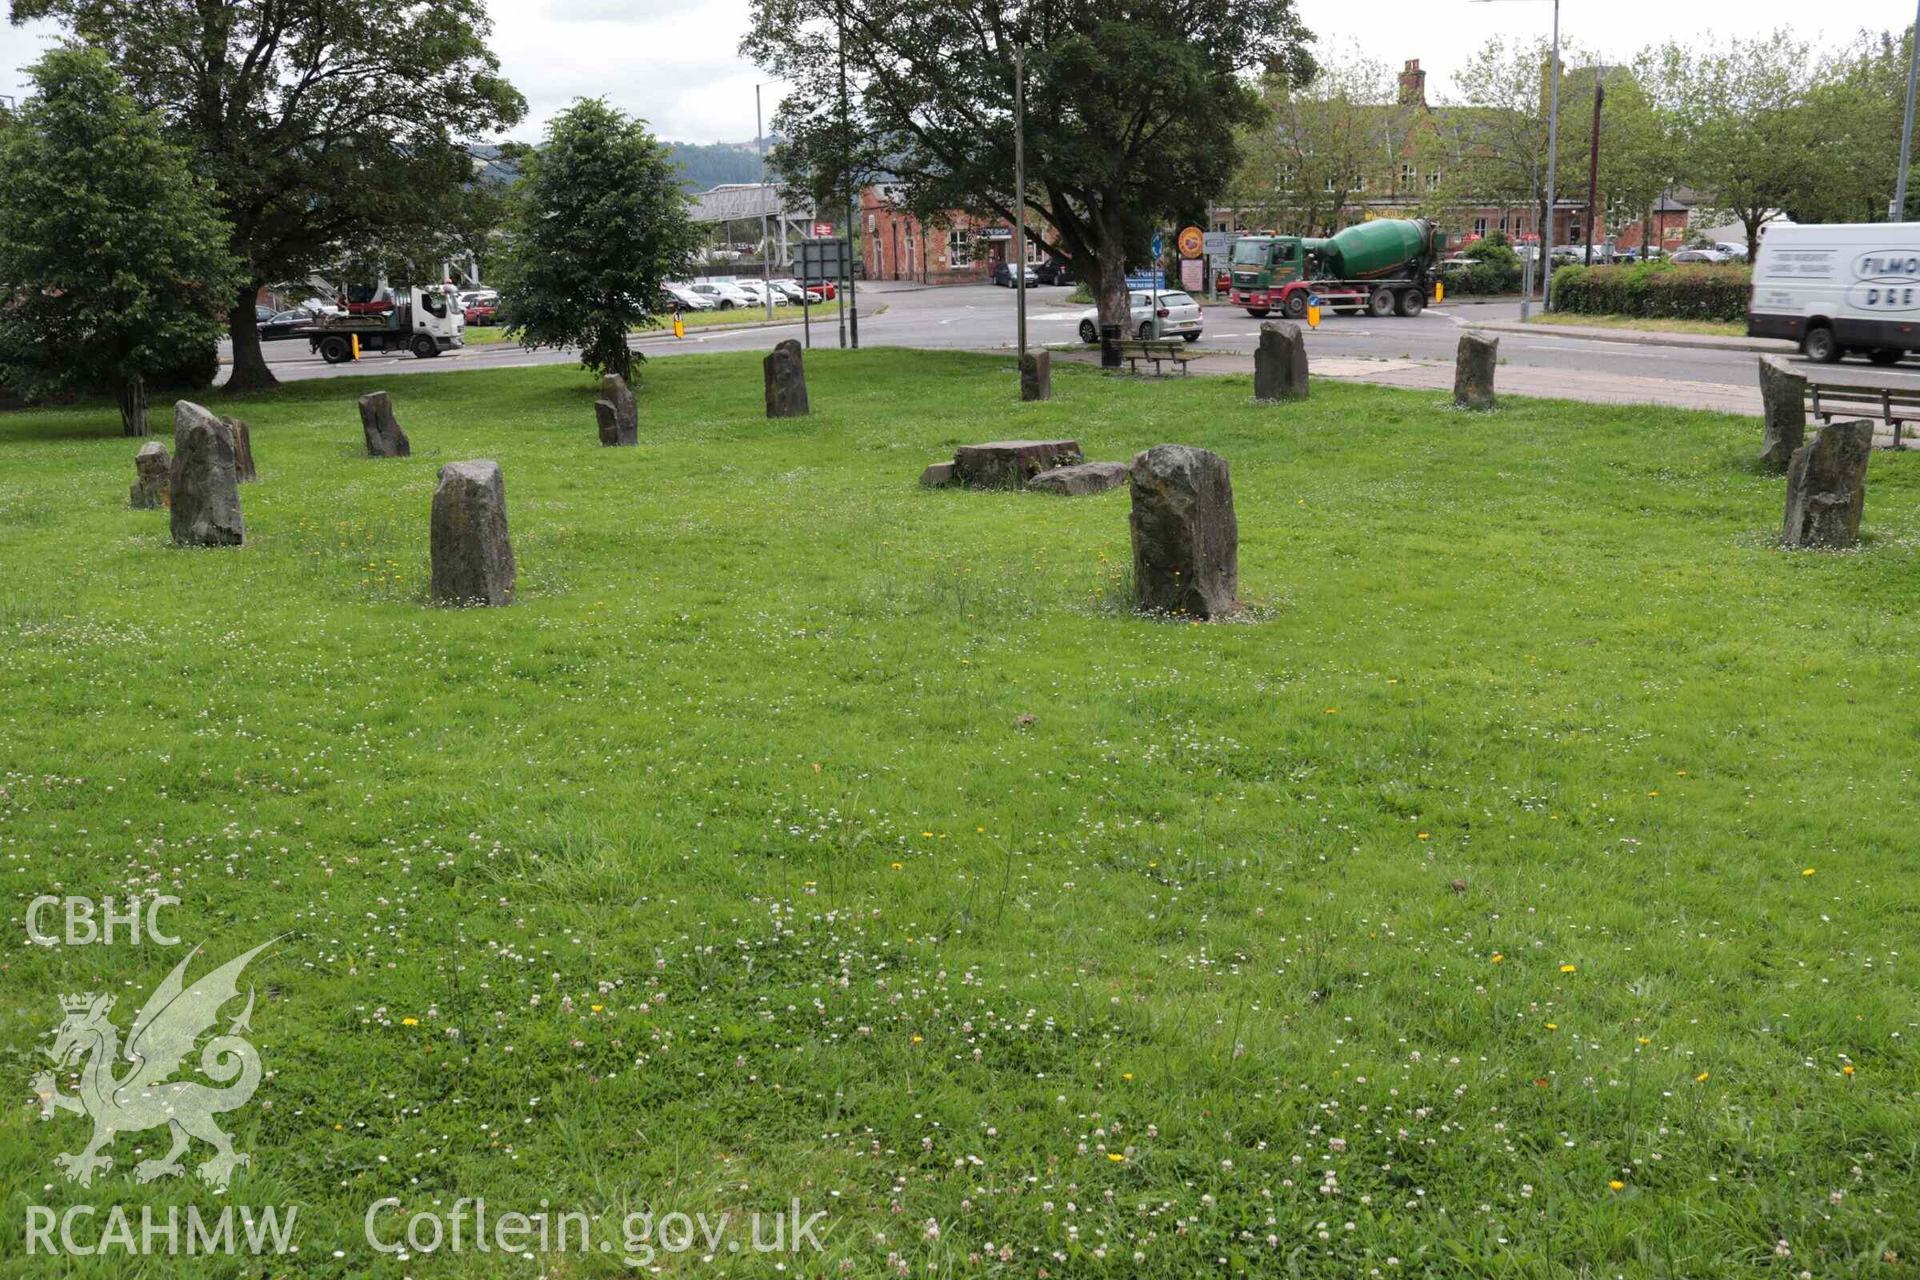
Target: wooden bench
point(1893, 406)
point(1159, 354)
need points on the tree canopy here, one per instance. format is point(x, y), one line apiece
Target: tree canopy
point(599, 223)
point(325, 125)
point(1133, 108)
point(118, 256)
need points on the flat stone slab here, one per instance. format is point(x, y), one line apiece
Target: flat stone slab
point(1009, 464)
point(1078, 481)
point(938, 475)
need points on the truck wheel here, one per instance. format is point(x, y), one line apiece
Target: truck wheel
point(336, 350)
point(1258, 313)
point(1411, 302)
point(1296, 306)
point(424, 347)
point(1821, 346)
point(1885, 356)
point(1380, 303)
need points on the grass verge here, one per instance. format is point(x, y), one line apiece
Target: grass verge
point(1717, 328)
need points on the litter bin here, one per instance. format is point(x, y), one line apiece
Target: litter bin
point(1110, 346)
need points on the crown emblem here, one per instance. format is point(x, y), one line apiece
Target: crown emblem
point(76, 1004)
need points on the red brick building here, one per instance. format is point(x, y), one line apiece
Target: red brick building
point(963, 248)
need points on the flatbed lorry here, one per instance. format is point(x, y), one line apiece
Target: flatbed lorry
point(1384, 267)
point(425, 321)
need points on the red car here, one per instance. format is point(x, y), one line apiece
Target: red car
point(827, 289)
point(481, 313)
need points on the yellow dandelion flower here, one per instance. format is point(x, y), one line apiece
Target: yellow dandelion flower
point(1702, 1077)
point(1643, 1040)
point(1568, 968)
point(896, 865)
point(916, 1039)
point(1497, 957)
point(1847, 1070)
point(597, 1008)
point(409, 1022)
point(1616, 1185)
point(1553, 1026)
point(1807, 872)
point(1116, 1157)
point(1653, 793)
point(1423, 836)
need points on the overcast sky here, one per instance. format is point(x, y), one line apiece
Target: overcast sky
point(673, 62)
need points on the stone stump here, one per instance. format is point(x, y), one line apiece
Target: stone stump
point(1036, 375)
point(204, 483)
point(152, 486)
point(618, 415)
point(786, 377)
point(1827, 486)
point(242, 450)
point(1009, 464)
point(1473, 371)
point(385, 439)
point(472, 555)
point(1077, 482)
point(938, 475)
point(1186, 540)
point(1783, 393)
point(1280, 362)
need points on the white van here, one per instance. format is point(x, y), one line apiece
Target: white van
point(1846, 288)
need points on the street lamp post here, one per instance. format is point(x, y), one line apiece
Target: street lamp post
point(1020, 196)
point(766, 241)
point(1898, 211)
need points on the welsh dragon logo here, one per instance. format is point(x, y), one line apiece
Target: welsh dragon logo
point(173, 1019)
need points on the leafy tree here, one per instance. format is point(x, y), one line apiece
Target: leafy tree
point(115, 254)
point(325, 125)
point(600, 222)
point(1132, 109)
point(1743, 130)
point(1324, 142)
point(1856, 106)
point(1639, 154)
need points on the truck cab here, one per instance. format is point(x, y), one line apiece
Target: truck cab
point(1262, 267)
point(424, 320)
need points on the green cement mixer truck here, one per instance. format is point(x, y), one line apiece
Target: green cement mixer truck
point(1382, 267)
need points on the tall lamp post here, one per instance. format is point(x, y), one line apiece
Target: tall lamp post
point(1553, 151)
point(1898, 210)
point(766, 241)
point(846, 140)
point(1020, 196)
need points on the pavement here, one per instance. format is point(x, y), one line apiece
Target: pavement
point(1690, 371)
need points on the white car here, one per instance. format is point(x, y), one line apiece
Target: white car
point(757, 289)
point(683, 298)
point(793, 291)
point(1163, 314)
point(1698, 255)
point(1734, 252)
point(725, 295)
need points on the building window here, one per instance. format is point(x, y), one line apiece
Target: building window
point(1480, 226)
point(1329, 184)
point(1433, 180)
point(1503, 224)
point(1407, 176)
point(1287, 175)
point(959, 248)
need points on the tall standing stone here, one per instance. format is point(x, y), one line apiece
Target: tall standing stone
point(786, 377)
point(1280, 362)
point(204, 483)
point(1036, 375)
point(618, 415)
point(385, 439)
point(1473, 371)
point(152, 485)
point(1186, 539)
point(1783, 394)
point(472, 555)
point(242, 450)
point(1827, 486)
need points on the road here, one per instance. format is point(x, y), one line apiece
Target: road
point(1415, 352)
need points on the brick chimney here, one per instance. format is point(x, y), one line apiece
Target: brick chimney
point(1413, 84)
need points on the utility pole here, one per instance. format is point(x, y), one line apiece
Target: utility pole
point(1020, 195)
point(1898, 210)
point(1593, 163)
point(766, 241)
point(846, 151)
point(1553, 163)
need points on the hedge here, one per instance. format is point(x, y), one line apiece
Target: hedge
point(1655, 291)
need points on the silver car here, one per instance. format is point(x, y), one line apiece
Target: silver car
point(1164, 313)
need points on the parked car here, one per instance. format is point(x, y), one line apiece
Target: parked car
point(725, 297)
point(1054, 271)
point(1733, 252)
point(827, 289)
point(1699, 255)
point(792, 291)
point(755, 289)
point(263, 313)
point(482, 313)
point(1163, 313)
point(1003, 275)
point(479, 297)
point(281, 325)
point(680, 297)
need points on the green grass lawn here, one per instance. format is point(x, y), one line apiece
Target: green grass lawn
point(1526, 892)
point(493, 335)
point(1716, 328)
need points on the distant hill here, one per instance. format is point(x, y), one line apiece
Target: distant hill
point(704, 165)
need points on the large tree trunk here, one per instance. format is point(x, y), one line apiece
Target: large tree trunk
point(1110, 274)
point(132, 395)
point(250, 370)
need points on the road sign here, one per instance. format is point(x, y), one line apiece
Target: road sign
point(1193, 275)
point(823, 259)
point(1145, 280)
point(1218, 244)
point(822, 230)
point(1192, 242)
point(1159, 247)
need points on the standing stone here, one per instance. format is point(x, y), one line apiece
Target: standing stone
point(1186, 540)
point(204, 483)
point(1827, 486)
point(618, 415)
point(1280, 363)
point(938, 475)
point(1473, 371)
point(1078, 482)
point(786, 377)
point(385, 439)
point(242, 450)
point(472, 556)
point(152, 488)
point(1784, 395)
point(1009, 464)
point(1036, 375)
